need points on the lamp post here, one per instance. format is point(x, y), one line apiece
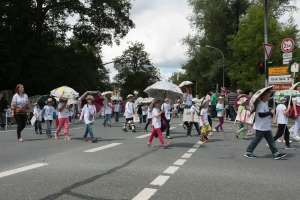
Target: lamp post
point(207, 46)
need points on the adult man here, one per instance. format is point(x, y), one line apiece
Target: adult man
point(213, 99)
point(231, 97)
point(3, 107)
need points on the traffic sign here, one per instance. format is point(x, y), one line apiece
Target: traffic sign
point(286, 61)
point(295, 67)
point(287, 55)
point(278, 70)
point(280, 86)
point(268, 49)
point(287, 45)
point(280, 79)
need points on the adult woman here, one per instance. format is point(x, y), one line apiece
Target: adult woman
point(296, 112)
point(20, 106)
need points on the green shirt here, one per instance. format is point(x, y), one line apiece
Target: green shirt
point(213, 99)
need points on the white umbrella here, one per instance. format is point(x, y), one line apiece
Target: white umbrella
point(164, 89)
point(64, 92)
point(185, 83)
point(106, 92)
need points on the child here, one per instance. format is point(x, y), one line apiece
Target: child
point(129, 113)
point(156, 121)
point(244, 124)
point(63, 118)
point(107, 119)
point(194, 121)
point(37, 112)
point(88, 112)
point(219, 109)
point(149, 116)
point(263, 128)
point(71, 113)
point(281, 119)
point(145, 112)
point(166, 107)
point(8, 116)
point(116, 111)
point(48, 112)
point(175, 108)
point(205, 127)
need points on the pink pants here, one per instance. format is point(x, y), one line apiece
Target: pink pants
point(63, 122)
point(159, 133)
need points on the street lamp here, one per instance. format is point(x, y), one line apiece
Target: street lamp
point(207, 46)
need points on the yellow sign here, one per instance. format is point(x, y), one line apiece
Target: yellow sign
point(278, 70)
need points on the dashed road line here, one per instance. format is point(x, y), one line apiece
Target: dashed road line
point(171, 170)
point(180, 162)
point(21, 169)
point(186, 155)
point(145, 194)
point(192, 150)
point(102, 147)
point(160, 180)
point(143, 136)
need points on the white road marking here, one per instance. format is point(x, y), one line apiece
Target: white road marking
point(171, 170)
point(200, 142)
point(143, 136)
point(172, 128)
point(160, 180)
point(62, 130)
point(192, 150)
point(196, 146)
point(180, 162)
point(180, 124)
point(21, 169)
point(102, 147)
point(186, 155)
point(145, 194)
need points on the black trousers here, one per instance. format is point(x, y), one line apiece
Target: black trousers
point(282, 129)
point(21, 121)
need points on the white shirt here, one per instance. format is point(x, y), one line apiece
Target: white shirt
point(189, 98)
point(297, 99)
point(166, 107)
point(19, 102)
point(175, 106)
point(220, 106)
point(264, 123)
point(65, 112)
point(203, 113)
point(145, 110)
point(156, 122)
point(193, 109)
point(149, 114)
point(8, 112)
point(108, 109)
point(116, 108)
point(38, 112)
point(88, 112)
point(71, 111)
point(129, 109)
point(282, 119)
point(49, 110)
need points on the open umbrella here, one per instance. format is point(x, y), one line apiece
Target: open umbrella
point(99, 100)
point(42, 101)
point(163, 89)
point(185, 83)
point(255, 100)
point(236, 105)
point(106, 93)
point(64, 92)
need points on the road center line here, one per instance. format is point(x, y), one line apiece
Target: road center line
point(160, 180)
point(196, 146)
point(179, 162)
point(21, 169)
point(145, 194)
point(102, 147)
point(143, 136)
point(192, 150)
point(172, 128)
point(171, 170)
point(186, 155)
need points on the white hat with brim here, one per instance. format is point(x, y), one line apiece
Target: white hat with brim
point(89, 97)
point(128, 96)
point(242, 100)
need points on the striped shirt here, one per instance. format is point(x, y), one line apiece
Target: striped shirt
point(231, 98)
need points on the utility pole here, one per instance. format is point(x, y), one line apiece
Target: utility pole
point(266, 40)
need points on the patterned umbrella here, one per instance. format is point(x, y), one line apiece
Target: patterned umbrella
point(255, 100)
point(64, 92)
point(163, 89)
point(42, 101)
point(99, 100)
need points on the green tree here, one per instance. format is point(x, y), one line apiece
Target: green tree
point(135, 70)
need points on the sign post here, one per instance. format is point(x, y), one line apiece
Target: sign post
point(268, 51)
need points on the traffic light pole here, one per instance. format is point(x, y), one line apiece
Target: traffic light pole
point(266, 40)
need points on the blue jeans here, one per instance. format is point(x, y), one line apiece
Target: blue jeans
point(107, 118)
point(259, 135)
point(116, 114)
point(49, 123)
point(232, 113)
point(191, 126)
point(89, 130)
point(3, 119)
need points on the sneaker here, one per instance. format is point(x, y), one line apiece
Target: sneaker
point(207, 140)
point(267, 145)
point(85, 139)
point(145, 130)
point(278, 140)
point(109, 125)
point(68, 138)
point(94, 140)
point(124, 129)
point(290, 147)
point(217, 129)
point(150, 144)
point(249, 134)
point(41, 133)
point(169, 137)
point(164, 133)
point(211, 133)
point(49, 136)
point(250, 155)
point(214, 130)
point(134, 130)
point(20, 140)
point(280, 155)
point(296, 137)
point(289, 141)
point(165, 145)
point(246, 138)
point(56, 136)
point(204, 141)
point(36, 132)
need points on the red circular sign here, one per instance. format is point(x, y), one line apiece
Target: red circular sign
point(287, 45)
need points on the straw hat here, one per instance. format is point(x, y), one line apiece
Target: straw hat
point(89, 97)
point(242, 100)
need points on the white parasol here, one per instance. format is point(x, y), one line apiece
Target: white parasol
point(163, 89)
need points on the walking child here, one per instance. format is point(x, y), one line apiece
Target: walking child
point(63, 118)
point(8, 116)
point(156, 122)
point(107, 119)
point(281, 119)
point(220, 109)
point(37, 112)
point(116, 106)
point(129, 113)
point(144, 112)
point(243, 119)
point(149, 116)
point(194, 121)
point(204, 123)
point(49, 114)
point(262, 126)
point(88, 112)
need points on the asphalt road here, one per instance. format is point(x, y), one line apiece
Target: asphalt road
point(121, 166)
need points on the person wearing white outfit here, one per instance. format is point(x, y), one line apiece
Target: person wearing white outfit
point(129, 113)
point(88, 112)
point(296, 108)
point(167, 108)
point(37, 112)
point(49, 114)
